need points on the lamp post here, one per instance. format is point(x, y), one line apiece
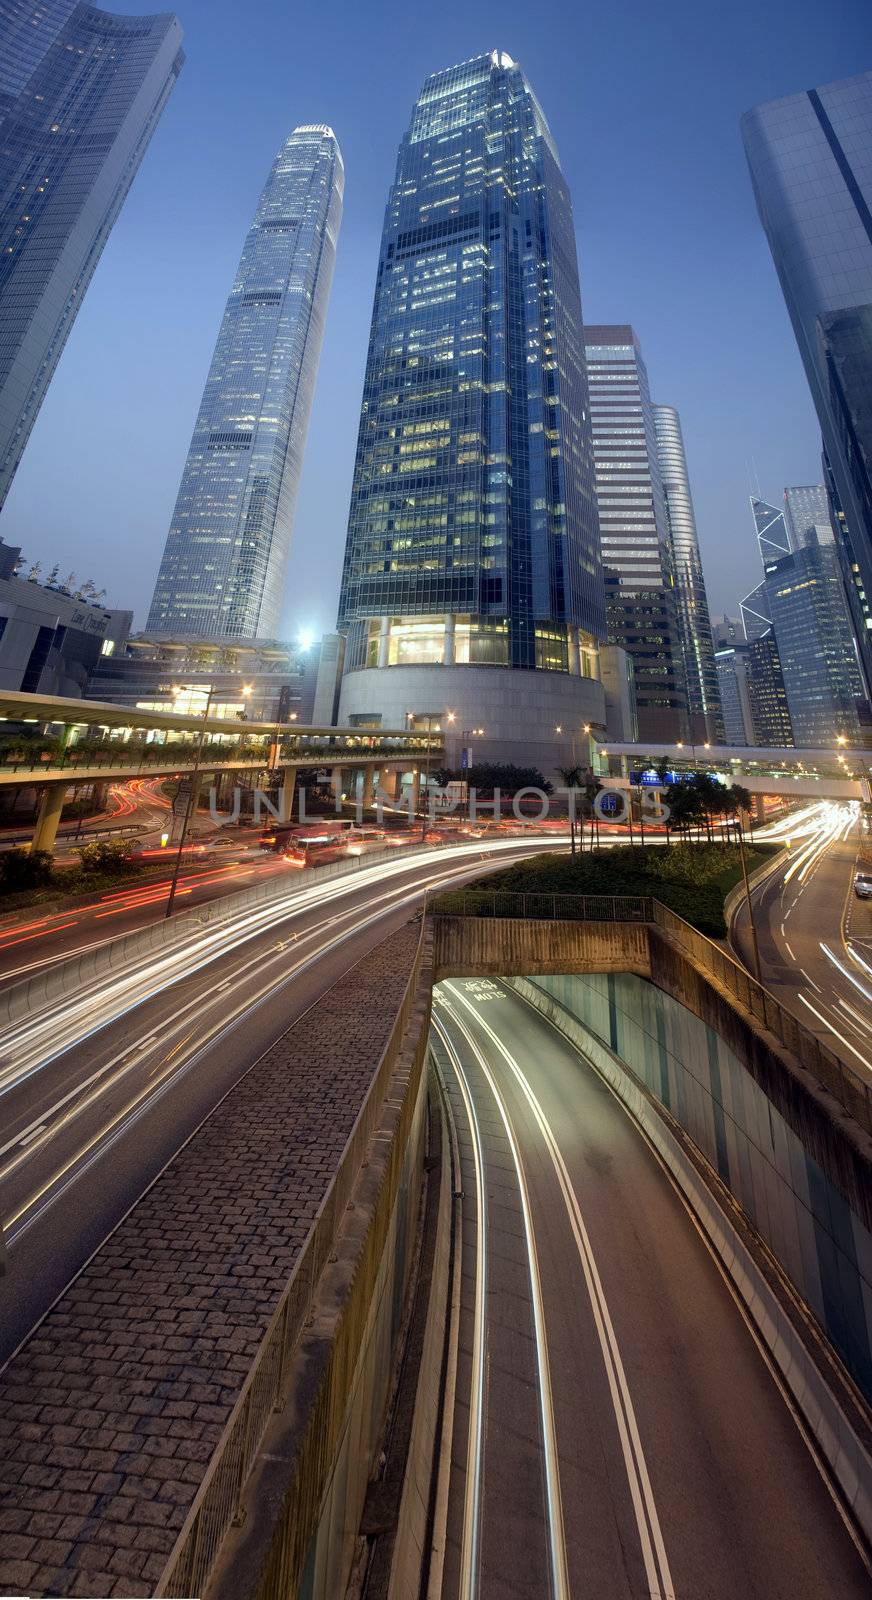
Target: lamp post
point(410, 716)
point(192, 792)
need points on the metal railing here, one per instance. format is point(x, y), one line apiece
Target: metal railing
point(295, 751)
point(217, 1505)
point(852, 1092)
point(548, 907)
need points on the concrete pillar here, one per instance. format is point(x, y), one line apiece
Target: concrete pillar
point(383, 641)
point(286, 794)
point(416, 788)
point(336, 783)
point(391, 782)
point(759, 808)
point(574, 652)
point(49, 815)
point(368, 787)
point(448, 647)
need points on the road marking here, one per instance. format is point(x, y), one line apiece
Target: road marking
point(469, 1552)
point(32, 1133)
point(660, 1585)
point(557, 1536)
point(787, 947)
point(864, 1060)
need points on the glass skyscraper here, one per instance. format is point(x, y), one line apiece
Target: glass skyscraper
point(643, 612)
point(815, 645)
point(223, 570)
point(75, 120)
point(810, 156)
point(472, 535)
point(703, 694)
point(806, 507)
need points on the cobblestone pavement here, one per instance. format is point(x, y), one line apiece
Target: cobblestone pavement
point(111, 1411)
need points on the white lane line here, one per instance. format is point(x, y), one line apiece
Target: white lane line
point(788, 947)
point(469, 1553)
point(830, 1029)
point(32, 1134)
point(556, 1532)
point(660, 1585)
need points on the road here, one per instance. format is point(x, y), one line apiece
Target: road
point(823, 978)
point(99, 1091)
point(616, 1431)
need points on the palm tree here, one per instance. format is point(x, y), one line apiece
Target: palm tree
point(571, 776)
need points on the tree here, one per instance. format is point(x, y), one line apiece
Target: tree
point(110, 856)
point(571, 776)
point(25, 869)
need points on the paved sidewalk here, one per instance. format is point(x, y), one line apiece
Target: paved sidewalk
point(110, 1413)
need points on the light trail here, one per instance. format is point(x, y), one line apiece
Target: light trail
point(556, 1532)
point(660, 1585)
point(864, 1060)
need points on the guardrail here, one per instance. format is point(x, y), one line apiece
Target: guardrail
point(297, 751)
point(851, 1091)
point(218, 1501)
point(548, 907)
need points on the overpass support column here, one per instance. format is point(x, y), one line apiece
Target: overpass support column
point(391, 781)
point(336, 783)
point(368, 787)
point(49, 815)
point(286, 795)
point(416, 788)
point(759, 808)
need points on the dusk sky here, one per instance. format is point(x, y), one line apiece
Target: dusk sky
point(644, 102)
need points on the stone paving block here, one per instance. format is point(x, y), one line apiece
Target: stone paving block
point(110, 1413)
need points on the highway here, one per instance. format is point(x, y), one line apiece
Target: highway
point(821, 976)
point(98, 1091)
point(614, 1428)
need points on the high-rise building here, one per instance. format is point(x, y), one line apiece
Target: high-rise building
point(472, 581)
point(770, 713)
point(810, 156)
point(726, 631)
point(773, 540)
point(71, 141)
point(223, 569)
point(27, 28)
point(643, 610)
point(816, 649)
point(805, 507)
point(732, 667)
point(701, 677)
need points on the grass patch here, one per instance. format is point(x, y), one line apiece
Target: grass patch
point(691, 879)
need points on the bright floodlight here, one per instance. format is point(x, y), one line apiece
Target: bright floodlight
point(306, 638)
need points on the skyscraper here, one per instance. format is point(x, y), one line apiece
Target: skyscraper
point(806, 506)
point(815, 646)
point(701, 677)
point(27, 28)
point(769, 709)
point(472, 578)
point(223, 568)
point(71, 141)
point(643, 613)
point(810, 156)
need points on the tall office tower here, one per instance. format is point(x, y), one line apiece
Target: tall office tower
point(70, 146)
point(805, 507)
point(27, 28)
point(732, 668)
point(770, 713)
point(812, 631)
point(643, 610)
point(472, 579)
point(773, 541)
point(701, 677)
point(810, 156)
point(726, 631)
point(222, 574)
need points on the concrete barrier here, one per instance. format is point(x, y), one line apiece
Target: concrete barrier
point(835, 1422)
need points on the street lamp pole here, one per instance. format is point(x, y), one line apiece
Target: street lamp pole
point(192, 794)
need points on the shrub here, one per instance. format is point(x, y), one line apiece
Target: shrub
point(109, 856)
point(25, 869)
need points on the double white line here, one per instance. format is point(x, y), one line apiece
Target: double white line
point(660, 1585)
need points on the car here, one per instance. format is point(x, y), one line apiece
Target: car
point(863, 885)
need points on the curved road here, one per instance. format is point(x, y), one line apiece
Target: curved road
point(616, 1430)
point(99, 1091)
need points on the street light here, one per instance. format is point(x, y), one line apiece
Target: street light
point(192, 792)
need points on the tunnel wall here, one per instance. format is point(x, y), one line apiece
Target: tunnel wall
point(818, 1239)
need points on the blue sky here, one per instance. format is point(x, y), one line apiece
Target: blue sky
point(644, 102)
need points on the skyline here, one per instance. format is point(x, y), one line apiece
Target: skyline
point(118, 466)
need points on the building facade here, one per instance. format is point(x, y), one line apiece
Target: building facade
point(701, 676)
point(258, 682)
point(27, 28)
point(222, 575)
point(770, 713)
point(815, 646)
point(732, 667)
point(641, 595)
point(807, 507)
point(472, 580)
point(810, 156)
point(52, 641)
point(70, 145)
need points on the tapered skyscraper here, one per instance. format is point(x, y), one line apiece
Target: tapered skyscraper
point(80, 97)
point(694, 623)
point(223, 568)
point(472, 578)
